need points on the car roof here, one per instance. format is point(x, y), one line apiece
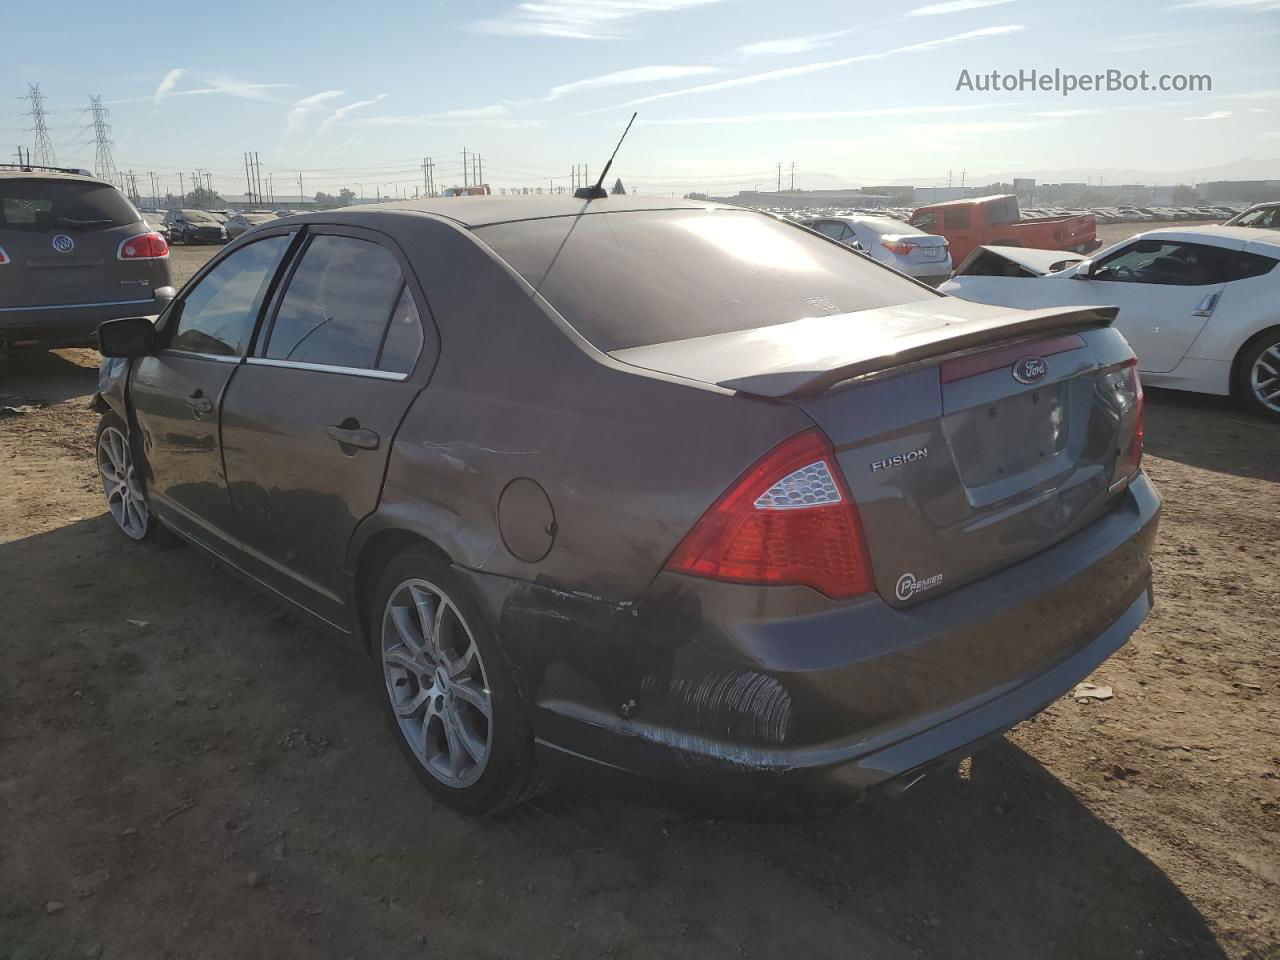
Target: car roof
point(53, 175)
point(484, 211)
point(1218, 235)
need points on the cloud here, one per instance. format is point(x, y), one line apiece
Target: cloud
point(1216, 115)
point(634, 75)
point(493, 115)
point(809, 115)
point(577, 19)
point(293, 123)
point(1248, 6)
point(216, 85)
point(786, 45)
point(168, 83)
point(818, 67)
point(1062, 114)
point(350, 108)
point(953, 6)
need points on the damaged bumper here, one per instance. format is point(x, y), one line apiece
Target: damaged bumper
point(726, 690)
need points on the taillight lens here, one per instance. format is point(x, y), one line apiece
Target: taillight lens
point(788, 520)
point(1140, 405)
point(4, 257)
point(145, 246)
point(898, 246)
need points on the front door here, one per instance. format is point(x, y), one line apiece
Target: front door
point(175, 393)
point(308, 422)
point(1166, 290)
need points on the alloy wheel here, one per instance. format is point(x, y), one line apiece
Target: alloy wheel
point(1264, 378)
point(436, 681)
point(125, 499)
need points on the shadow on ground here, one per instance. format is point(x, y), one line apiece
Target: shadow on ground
point(1213, 433)
point(45, 377)
point(190, 772)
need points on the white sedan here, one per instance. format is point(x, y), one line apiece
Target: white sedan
point(907, 249)
point(1199, 305)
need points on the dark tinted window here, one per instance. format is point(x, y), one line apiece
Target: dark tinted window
point(632, 279)
point(924, 220)
point(44, 205)
point(404, 337)
point(218, 314)
point(954, 218)
point(1175, 263)
point(338, 304)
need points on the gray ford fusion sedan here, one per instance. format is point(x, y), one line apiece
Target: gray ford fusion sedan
point(666, 491)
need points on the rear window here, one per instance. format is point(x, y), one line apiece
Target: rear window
point(633, 279)
point(39, 206)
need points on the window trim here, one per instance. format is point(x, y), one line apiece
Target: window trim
point(262, 335)
point(1102, 264)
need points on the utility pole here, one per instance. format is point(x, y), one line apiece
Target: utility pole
point(104, 165)
point(301, 196)
point(182, 190)
point(248, 180)
point(425, 161)
point(464, 167)
point(44, 146)
point(779, 176)
point(793, 176)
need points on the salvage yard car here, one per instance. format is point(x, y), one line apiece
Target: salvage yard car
point(1200, 305)
point(996, 221)
point(645, 488)
point(898, 245)
point(73, 253)
point(194, 226)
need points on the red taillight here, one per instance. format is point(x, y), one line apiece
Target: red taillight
point(788, 520)
point(901, 248)
point(145, 246)
point(4, 257)
point(1140, 407)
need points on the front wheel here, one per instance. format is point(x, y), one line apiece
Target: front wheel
point(447, 689)
point(126, 498)
point(1259, 374)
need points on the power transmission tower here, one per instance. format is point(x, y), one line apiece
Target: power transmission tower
point(104, 164)
point(44, 146)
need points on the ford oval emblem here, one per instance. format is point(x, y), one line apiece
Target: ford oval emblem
point(63, 244)
point(1030, 370)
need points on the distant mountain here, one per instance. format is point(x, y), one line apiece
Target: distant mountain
point(1236, 170)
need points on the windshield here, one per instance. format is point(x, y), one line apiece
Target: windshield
point(199, 216)
point(38, 205)
point(633, 279)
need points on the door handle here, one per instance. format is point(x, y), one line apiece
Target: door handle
point(1205, 309)
point(199, 403)
point(354, 437)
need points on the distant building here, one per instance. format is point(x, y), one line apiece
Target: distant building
point(1239, 191)
point(800, 199)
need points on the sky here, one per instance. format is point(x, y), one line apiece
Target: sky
point(850, 92)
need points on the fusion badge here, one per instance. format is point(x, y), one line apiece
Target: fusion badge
point(899, 459)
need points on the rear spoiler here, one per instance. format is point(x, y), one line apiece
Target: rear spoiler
point(805, 358)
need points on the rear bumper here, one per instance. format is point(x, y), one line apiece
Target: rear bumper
point(71, 324)
point(724, 691)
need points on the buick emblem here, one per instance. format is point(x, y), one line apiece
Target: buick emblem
point(1030, 370)
point(63, 244)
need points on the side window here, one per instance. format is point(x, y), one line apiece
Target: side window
point(218, 315)
point(403, 342)
point(956, 218)
point(1168, 262)
point(830, 228)
point(338, 305)
point(925, 220)
point(1238, 265)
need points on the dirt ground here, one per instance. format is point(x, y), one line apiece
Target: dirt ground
point(185, 772)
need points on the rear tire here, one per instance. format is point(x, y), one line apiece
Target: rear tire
point(1258, 374)
point(447, 690)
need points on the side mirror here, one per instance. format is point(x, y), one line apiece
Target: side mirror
point(131, 337)
point(1084, 270)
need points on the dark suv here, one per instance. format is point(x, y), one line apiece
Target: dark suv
point(73, 253)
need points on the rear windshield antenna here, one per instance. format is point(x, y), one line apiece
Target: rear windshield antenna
point(597, 192)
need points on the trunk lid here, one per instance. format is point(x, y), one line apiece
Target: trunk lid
point(926, 248)
point(968, 444)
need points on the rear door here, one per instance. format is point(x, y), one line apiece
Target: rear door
point(307, 424)
point(174, 394)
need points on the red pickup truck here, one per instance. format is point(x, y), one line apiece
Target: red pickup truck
point(993, 221)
